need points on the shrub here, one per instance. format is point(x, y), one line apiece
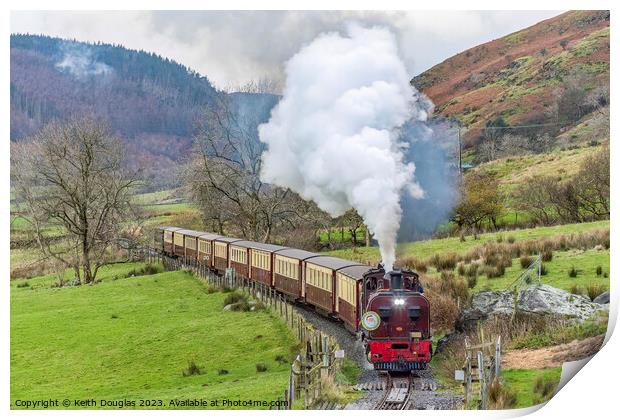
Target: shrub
point(413, 263)
point(575, 289)
point(572, 272)
point(494, 271)
point(472, 270)
point(261, 367)
point(511, 239)
point(599, 270)
point(445, 310)
point(460, 268)
point(281, 359)
point(525, 261)
point(211, 289)
point(544, 388)
point(446, 262)
point(543, 270)
point(192, 369)
point(594, 289)
point(500, 239)
point(148, 269)
point(471, 282)
point(234, 297)
point(24, 284)
point(453, 286)
point(501, 396)
point(547, 255)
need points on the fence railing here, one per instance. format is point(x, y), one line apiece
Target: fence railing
point(319, 354)
point(483, 364)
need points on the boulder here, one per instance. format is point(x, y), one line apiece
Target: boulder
point(602, 299)
point(535, 300)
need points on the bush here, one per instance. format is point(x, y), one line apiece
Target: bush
point(281, 359)
point(525, 261)
point(147, 270)
point(511, 239)
point(24, 284)
point(472, 270)
point(413, 263)
point(494, 271)
point(572, 272)
point(192, 369)
point(599, 270)
point(445, 262)
point(471, 282)
point(547, 255)
point(543, 270)
point(595, 289)
point(500, 239)
point(235, 297)
point(575, 289)
point(501, 396)
point(544, 388)
point(445, 310)
point(261, 367)
point(460, 268)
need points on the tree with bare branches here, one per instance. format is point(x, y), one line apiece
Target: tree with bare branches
point(223, 175)
point(70, 177)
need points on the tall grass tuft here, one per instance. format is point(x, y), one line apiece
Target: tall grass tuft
point(501, 396)
point(594, 289)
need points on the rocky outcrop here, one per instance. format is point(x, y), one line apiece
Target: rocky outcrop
point(603, 298)
point(534, 300)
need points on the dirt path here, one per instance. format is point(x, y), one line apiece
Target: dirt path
point(552, 356)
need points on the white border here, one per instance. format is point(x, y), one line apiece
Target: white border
point(592, 394)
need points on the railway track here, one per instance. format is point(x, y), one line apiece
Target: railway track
point(397, 393)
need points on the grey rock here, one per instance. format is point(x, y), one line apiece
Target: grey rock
point(536, 300)
point(602, 299)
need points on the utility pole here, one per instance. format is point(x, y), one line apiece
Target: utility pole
point(460, 153)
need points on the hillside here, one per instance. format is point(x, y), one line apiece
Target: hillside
point(132, 337)
point(517, 77)
point(150, 101)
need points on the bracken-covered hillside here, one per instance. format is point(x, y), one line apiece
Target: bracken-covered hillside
point(517, 77)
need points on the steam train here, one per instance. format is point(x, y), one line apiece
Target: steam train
point(388, 310)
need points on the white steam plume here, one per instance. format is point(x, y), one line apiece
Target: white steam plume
point(333, 137)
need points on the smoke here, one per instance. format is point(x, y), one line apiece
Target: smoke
point(433, 149)
point(78, 60)
point(335, 137)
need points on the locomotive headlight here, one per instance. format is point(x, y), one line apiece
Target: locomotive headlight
point(398, 301)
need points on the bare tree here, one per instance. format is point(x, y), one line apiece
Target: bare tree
point(70, 177)
point(223, 175)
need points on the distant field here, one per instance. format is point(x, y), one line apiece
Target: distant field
point(424, 249)
point(585, 262)
point(514, 170)
point(132, 338)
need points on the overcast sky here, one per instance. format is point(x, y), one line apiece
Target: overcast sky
point(234, 47)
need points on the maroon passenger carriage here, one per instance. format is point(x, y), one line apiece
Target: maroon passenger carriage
point(389, 310)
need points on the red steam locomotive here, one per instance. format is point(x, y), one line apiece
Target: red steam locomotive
point(396, 322)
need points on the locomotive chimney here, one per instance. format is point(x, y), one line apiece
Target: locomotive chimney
point(396, 280)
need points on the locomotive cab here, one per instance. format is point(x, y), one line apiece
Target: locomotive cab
point(396, 321)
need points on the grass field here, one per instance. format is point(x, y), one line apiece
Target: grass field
point(585, 263)
point(424, 249)
point(522, 381)
point(133, 337)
